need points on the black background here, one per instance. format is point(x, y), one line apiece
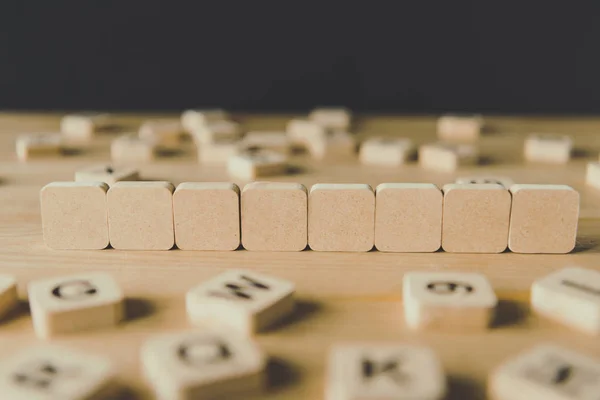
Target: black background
point(393, 56)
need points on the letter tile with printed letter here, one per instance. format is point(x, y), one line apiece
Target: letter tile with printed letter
point(51, 372)
point(244, 300)
point(546, 372)
point(203, 364)
point(381, 371)
point(453, 301)
point(75, 303)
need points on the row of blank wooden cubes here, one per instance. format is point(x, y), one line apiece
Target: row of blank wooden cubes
point(397, 217)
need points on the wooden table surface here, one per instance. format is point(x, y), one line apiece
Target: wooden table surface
point(342, 296)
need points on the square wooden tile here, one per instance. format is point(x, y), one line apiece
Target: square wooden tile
point(218, 152)
point(217, 131)
point(106, 173)
point(39, 145)
point(592, 176)
point(8, 294)
point(165, 133)
point(334, 147)
point(446, 157)
point(459, 128)
point(548, 148)
point(335, 118)
point(130, 148)
point(194, 119)
point(302, 131)
point(83, 126)
point(248, 166)
point(387, 152)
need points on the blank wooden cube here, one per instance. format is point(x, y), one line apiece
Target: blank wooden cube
point(75, 303)
point(273, 141)
point(408, 217)
point(592, 177)
point(217, 152)
point(83, 126)
point(570, 296)
point(140, 215)
point(336, 118)
point(543, 218)
point(74, 215)
point(475, 218)
point(132, 149)
point(500, 180)
point(453, 301)
point(192, 120)
point(207, 216)
point(246, 301)
point(205, 364)
point(546, 372)
point(459, 128)
point(274, 216)
point(548, 148)
point(303, 131)
point(251, 165)
point(384, 371)
point(445, 157)
point(341, 217)
point(8, 294)
point(39, 145)
point(106, 173)
point(49, 372)
point(388, 152)
point(217, 131)
point(166, 134)
point(336, 146)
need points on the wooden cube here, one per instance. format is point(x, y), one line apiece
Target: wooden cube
point(546, 372)
point(273, 141)
point(218, 152)
point(8, 294)
point(543, 219)
point(74, 215)
point(302, 131)
point(408, 217)
point(39, 145)
point(132, 149)
point(387, 152)
point(341, 217)
point(165, 133)
point(83, 126)
point(384, 371)
point(459, 128)
point(140, 215)
point(205, 364)
point(48, 372)
point(500, 180)
point(217, 131)
point(452, 301)
point(274, 216)
point(75, 303)
point(246, 301)
point(445, 157)
point(592, 177)
point(335, 118)
point(336, 146)
point(207, 216)
point(570, 296)
point(548, 148)
point(476, 218)
point(251, 165)
point(195, 119)
point(106, 173)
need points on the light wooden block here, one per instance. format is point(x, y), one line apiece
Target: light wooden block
point(166, 134)
point(570, 296)
point(130, 148)
point(217, 152)
point(475, 218)
point(83, 126)
point(74, 215)
point(543, 218)
point(335, 146)
point(251, 165)
point(195, 119)
point(106, 173)
point(408, 217)
point(246, 301)
point(592, 176)
point(39, 145)
point(8, 294)
point(548, 148)
point(446, 157)
point(272, 141)
point(481, 179)
point(451, 301)
point(546, 372)
point(341, 217)
point(335, 118)
point(217, 131)
point(459, 128)
point(384, 371)
point(303, 131)
point(207, 364)
point(75, 303)
point(387, 152)
point(207, 216)
point(140, 215)
point(274, 216)
point(51, 372)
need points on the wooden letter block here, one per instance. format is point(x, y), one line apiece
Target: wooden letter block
point(274, 216)
point(74, 215)
point(408, 217)
point(335, 118)
point(459, 128)
point(476, 218)
point(140, 215)
point(217, 152)
point(251, 165)
point(207, 216)
point(452, 301)
point(165, 133)
point(341, 217)
point(132, 149)
point(500, 180)
point(592, 177)
point(335, 146)
point(106, 173)
point(570, 296)
point(273, 141)
point(543, 219)
point(192, 120)
point(8, 294)
point(207, 364)
point(39, 145)
point(548, 148)
point(246, 301)
point(51, 372)
point(445, 157)
point(75, 303)
point(384, 371)
point(217, 131)
point(83, 126)
point(302, 131)
point(387, 152)
point(546, 372)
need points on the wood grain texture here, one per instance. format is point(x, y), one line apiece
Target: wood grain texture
point(343, 296)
